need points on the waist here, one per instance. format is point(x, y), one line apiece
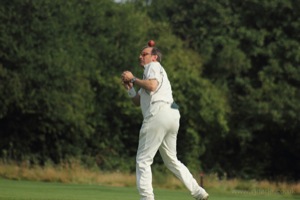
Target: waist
point(172, 104)
point(161, 101)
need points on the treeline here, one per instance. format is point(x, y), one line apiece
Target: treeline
point(234, 68)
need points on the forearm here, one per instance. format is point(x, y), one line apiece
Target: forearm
point(136, 100)
point(135, 97)
point(149, 84)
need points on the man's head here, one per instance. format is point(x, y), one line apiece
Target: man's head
point(149, 54)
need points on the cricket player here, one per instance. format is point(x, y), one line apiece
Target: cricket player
point(160, 125)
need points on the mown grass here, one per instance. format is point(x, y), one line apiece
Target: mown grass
point(74, 173)
point(33, 190)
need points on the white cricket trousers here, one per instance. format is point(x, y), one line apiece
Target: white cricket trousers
point(159, 132)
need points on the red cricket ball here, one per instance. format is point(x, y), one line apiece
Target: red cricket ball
point(151, 43)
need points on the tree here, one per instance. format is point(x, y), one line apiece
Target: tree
point(250, 50)
point(47, 96)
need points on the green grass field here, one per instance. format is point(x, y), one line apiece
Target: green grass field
point(30, 190)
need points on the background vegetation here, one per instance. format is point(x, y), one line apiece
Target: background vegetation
point(233, 65)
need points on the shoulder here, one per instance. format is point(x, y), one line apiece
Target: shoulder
point(154, 66)
point(152, 70)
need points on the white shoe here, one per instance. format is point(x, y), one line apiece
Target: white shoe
point(203, 196)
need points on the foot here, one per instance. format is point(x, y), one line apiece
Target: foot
point(203, 196)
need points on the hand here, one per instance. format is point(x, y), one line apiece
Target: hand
point(126, 81)
point(127, 85)
point(127, 76)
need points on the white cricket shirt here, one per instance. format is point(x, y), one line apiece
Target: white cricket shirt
point(163, 92)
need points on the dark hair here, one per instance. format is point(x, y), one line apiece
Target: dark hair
point(156, 51)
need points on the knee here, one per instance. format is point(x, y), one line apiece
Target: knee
point(171, 162)
point(143, 164)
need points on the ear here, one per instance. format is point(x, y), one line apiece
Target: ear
point(154, 57)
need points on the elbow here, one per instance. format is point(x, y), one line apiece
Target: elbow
point(153, 87)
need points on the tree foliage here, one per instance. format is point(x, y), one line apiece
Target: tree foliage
point(251, 50)
point(233, 66)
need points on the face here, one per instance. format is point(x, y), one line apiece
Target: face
point(146, 57)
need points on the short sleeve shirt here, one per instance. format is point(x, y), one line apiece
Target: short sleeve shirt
point(163, 92)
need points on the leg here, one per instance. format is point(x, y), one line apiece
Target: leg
point(150, 139)
point(169, 156)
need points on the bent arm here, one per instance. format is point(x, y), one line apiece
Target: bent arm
point(148, 84)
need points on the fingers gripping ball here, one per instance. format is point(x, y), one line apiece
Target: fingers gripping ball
point(127, 84)
point(151, 43)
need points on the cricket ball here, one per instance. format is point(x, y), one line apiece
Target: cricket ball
point(151, 43)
